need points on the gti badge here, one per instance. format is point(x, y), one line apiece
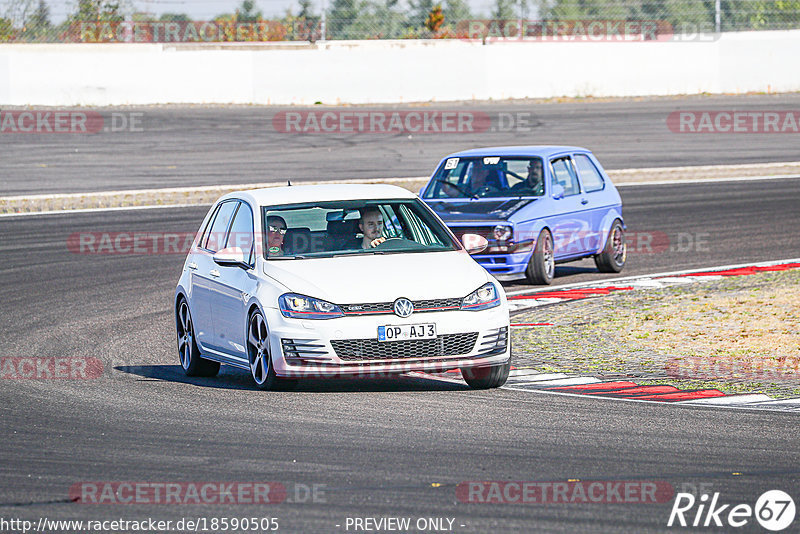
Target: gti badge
point(403, 307)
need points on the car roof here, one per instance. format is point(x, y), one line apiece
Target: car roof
point(274, 196)
point(543, 151)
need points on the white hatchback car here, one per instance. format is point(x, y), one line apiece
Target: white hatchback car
point(337, 280)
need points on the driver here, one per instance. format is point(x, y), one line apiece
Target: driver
point(481, 178)
point(371, 225)
point(276, 230)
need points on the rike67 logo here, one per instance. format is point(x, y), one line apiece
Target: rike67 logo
point(774, 510)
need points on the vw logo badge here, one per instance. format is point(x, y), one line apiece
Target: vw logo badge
point(403, 307)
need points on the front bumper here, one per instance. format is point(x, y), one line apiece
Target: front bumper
point(348, 346)
point(504, 266)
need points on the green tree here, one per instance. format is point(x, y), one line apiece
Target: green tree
point(306, 10)
point(306, 25)
point(174, 17)
point(456, 10)
point(419, 12)
point(376, 19)
point(96, 11)
point(435, 19)
point(777, 15)
point(503, 10)
point(7, 32)
point(247, 13)
point(342, 15)
point(38, 25)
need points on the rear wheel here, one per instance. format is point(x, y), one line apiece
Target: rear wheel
point(189, 354)
point(612, 258)
point(487, 377)
point(542, 265)
point(260, 355)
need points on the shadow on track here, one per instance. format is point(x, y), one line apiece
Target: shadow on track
point(231, 378)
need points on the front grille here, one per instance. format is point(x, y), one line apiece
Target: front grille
point(372, 349)
point(420, 306)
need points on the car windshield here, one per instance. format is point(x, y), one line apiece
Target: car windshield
point(325, 229)
point(488, 177)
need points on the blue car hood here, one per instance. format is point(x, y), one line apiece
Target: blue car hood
point(478, 210)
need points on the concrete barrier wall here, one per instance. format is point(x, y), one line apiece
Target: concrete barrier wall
point(365, 72)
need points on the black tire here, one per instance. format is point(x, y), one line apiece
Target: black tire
point(541, 267)
point(192, 363)
point(486, 377)
point(615, 252)
point(259, 355)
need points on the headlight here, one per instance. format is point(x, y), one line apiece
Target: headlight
point(483, 298)
point(302, 307)
point(503, 232)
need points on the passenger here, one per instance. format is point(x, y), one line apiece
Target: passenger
point(276, 230)
point(534, 182)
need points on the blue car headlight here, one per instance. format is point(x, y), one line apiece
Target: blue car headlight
point(483, 298)
point(303, 307)
point(503, 232)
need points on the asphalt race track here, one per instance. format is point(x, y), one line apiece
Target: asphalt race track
point(376, 448)
point(195, 145)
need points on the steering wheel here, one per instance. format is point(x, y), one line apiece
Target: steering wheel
point(394, 243)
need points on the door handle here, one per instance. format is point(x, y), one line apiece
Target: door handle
point(214, 273)
point(192, 266)
point(584, 201)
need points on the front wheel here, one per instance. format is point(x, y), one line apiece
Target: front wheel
point(260, 355)
point(486, 377)
point(542, 265)
point(612, 258)
point(191, 362)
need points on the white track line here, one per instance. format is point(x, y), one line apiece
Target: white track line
point(787, 407)
point(733, 399)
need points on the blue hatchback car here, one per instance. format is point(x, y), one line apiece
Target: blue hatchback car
point(535, 205)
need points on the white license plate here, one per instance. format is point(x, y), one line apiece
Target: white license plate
point(403, 332)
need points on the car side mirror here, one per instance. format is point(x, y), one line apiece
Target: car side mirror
point(558, 191)
point(474, 243)
point(231, 257)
